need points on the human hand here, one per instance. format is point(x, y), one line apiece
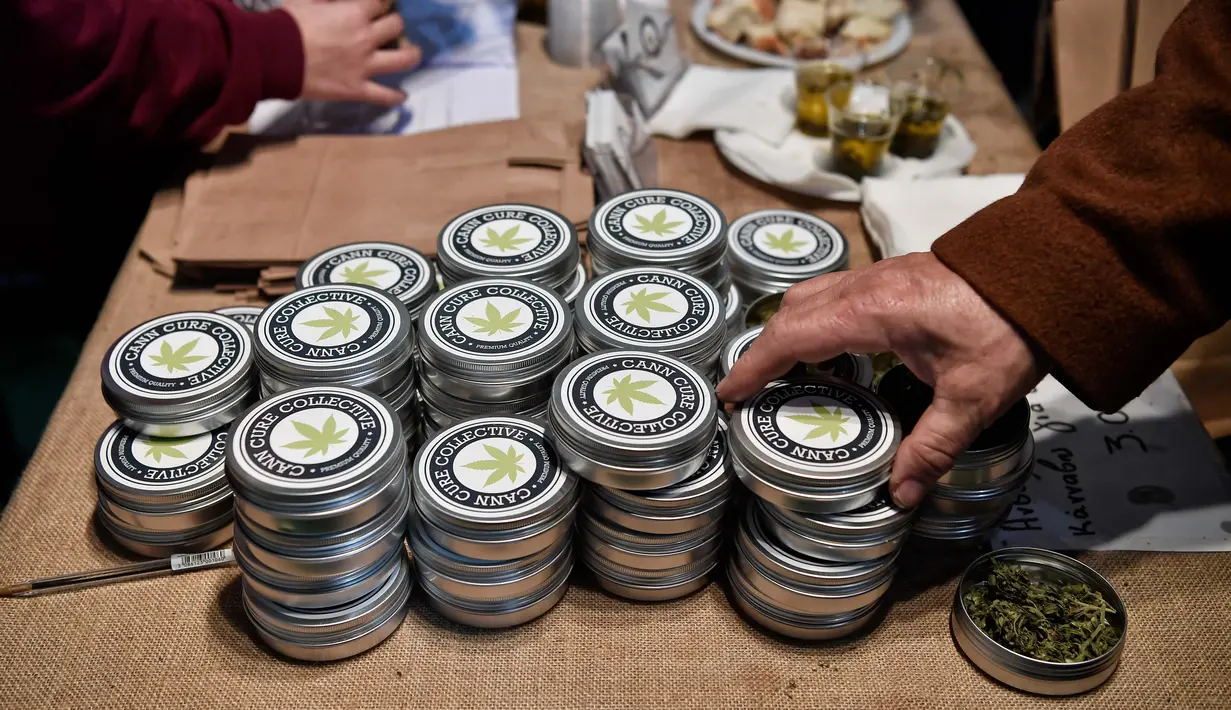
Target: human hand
point(341, 45)
point(934, 321)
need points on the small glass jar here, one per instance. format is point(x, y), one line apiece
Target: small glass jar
point(863, 117)
point(927, 96)
point(812, 80)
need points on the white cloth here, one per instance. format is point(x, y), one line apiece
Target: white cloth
point(907, 216)
point(711, 98)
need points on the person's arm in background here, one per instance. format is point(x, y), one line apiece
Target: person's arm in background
point(1102, 269)
point(174, 70)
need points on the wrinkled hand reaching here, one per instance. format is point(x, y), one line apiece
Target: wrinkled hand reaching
point(341, 44)
point(936, 323)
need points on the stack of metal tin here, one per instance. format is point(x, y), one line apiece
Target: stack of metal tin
point(511, 241)
point(817, 551)
point(398, 270)
point(656, 309)
point(967, 503)
point(245, 315)
point(342, 334)
point(642, 428)
point(658, 227)
point(853, 367)
point(492, 346)
point(321, 499)
point(772, 250)
point(493, 534)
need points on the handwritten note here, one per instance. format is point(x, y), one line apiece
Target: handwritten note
point(1145, 478)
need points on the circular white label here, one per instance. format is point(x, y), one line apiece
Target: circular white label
point(657, 223)
point(373, 271)
point(180, 354)
point(331, 323)
point(651, 305)
point(635, 395)
point(818, 422)
point(495, 465)
point(314, 435)
point(506, 237)
point(170, 453)
point(494, 319)
point(784, 241)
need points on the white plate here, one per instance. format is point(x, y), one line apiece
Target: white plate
point(799, 163)
point(891, 47)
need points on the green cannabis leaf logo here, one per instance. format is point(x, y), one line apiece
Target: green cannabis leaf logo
point(317, 441)
point(506, 241)
point(625, 392)
point(157, 448)
point(823, 422)
point(495, 322)
point(784, 242)
point(658, 225)
point(359, 274)
point(177, 359)
point(642, 303)
point(334, 323)
point(502, 465)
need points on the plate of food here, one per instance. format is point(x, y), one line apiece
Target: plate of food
point(857, 33)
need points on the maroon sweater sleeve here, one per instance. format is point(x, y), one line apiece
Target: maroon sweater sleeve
point(1113, 256)
point(166, 70)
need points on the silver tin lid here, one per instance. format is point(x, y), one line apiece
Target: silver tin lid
point(320, 594)
point(159, 475)
point(657, 226)
point(393, 268)
point(853, 367)
point(502, 613)
point(876, 520)
point(178, 368)
point(649, 552)
point(814, 444)
point(164, 545)
point(771, 250)
point(315, 448)
point(1024, 672)
point(634, 407)
point(650, 590)
point(202, 513)
point(734, 310)
point(336, 334)
point(652, 308)
point(509, 240)
point(804, 627)
point(247, 315)
point(515, 582)
point(495, 329)
point(711, 484)
point(812, 537)
point(492, 474)
point(574, 287)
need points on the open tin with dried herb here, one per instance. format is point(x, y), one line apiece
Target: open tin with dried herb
point(814, 444)
point(854, 367)
point(398, 270)
point(650, 308)
point(772, 250)
point(180, 374)
point(659, 227)
point(1039, 621)
point(510, 241)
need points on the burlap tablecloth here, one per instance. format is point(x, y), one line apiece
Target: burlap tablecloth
point(184, 641)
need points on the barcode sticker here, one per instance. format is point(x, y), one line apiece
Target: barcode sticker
point(213, 558)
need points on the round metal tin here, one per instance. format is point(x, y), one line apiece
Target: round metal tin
point(163, 544)
point(191, 515)
point(871, 532)
point(1020, 671)
point(298, 593)
point(499, 614)
point(493, 476)
point(513, 584)
point(333, 633)
point(159, 475)
point(509, 241)
point(803, 627)
point(760, 310)
point(493, 340)
point(649, 308)
point(502, 545)
point(771, 250)
point(340, 334)
point(734, 306)
point(312, 453)
point(649, 552)
point(973, 501)
point(180, 374)
point(947, 529)
point(657, 226)
point(651, 585)
point(573, 288)
point(853, 367)
point(814, 444)
point(245, 315)
point(398, 270)
point(323, 563)
point(633, 420)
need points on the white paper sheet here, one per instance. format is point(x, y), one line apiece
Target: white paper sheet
point(1145, 478)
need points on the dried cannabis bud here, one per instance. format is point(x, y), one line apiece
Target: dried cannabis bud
point(1043, 620)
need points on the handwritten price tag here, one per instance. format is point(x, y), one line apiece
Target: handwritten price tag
point(1145, 478)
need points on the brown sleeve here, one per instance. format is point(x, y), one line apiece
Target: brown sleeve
point(1116, 253)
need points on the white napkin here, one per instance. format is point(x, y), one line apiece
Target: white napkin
point(903, 216)
point(747, 100)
